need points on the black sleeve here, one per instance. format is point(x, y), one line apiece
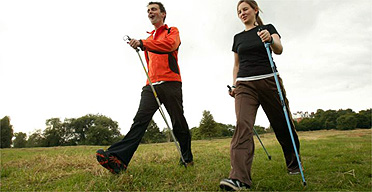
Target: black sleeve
point(272, 29)
point(234, 48)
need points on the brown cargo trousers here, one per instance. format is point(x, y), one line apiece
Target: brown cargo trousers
point(249, 95)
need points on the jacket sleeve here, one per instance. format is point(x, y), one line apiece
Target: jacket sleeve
point(168, 44)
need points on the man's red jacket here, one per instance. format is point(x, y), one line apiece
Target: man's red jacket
point(161, 52)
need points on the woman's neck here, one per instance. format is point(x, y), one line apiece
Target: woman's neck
point(249, 26)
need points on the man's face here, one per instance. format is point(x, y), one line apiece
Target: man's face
point(154, 14)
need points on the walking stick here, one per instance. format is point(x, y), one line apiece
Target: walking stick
point(267, 46)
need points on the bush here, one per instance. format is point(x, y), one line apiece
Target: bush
point(346, 122)
point(308, 124)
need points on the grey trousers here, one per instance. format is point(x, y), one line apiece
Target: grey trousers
point(249, 96)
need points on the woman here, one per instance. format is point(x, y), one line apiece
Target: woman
point(254, 85)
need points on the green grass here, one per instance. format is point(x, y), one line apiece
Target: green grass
point(333, 161)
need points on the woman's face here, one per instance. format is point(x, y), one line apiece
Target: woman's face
point(246, 13)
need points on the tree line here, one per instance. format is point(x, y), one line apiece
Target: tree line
point(208, 128)
point(87, 130)
point(335, 119)
point(101, 130)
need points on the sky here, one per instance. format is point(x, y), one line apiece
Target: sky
point(67, 59)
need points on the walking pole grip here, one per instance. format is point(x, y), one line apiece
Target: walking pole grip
point(126, 38)
point(228, 86)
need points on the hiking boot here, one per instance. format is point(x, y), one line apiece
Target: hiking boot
point(233, 185)
point(110, 162)
point(293, 172)
point(191, 163)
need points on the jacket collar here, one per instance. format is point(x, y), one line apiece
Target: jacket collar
point(162, 28)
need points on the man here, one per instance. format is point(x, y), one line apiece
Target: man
point(161, 50)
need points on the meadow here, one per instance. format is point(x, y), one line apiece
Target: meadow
point(333, 161)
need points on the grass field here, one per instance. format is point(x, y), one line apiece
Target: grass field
point(333, 161)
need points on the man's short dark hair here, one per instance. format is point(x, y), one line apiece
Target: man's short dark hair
point(161, 6)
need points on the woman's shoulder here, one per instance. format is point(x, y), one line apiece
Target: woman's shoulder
point(239, 33)
point(269, 25)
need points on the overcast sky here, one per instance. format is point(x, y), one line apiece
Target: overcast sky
point(67, 59)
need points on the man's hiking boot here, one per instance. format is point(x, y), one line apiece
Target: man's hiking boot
point(233, 185)
point(110, 162)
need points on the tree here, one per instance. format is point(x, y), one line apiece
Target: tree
point(92, 130)
point(308, 124)
point(341, 119)
point(81, 126)
point(224, 130)
point(6, 132)
point(341, 112)
point(207, 126)
point(195, 133)
point(153, 134)
point(364, 119)
point(20, 140)
point(86, 130)
point(328, 119)
point(319, 113)
point(99, 130)
point(167, 134)
point(99, 135)
point(347, 122)
point(259, 129)
point(53, 134)
point(36, 139)
point(70, 136)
